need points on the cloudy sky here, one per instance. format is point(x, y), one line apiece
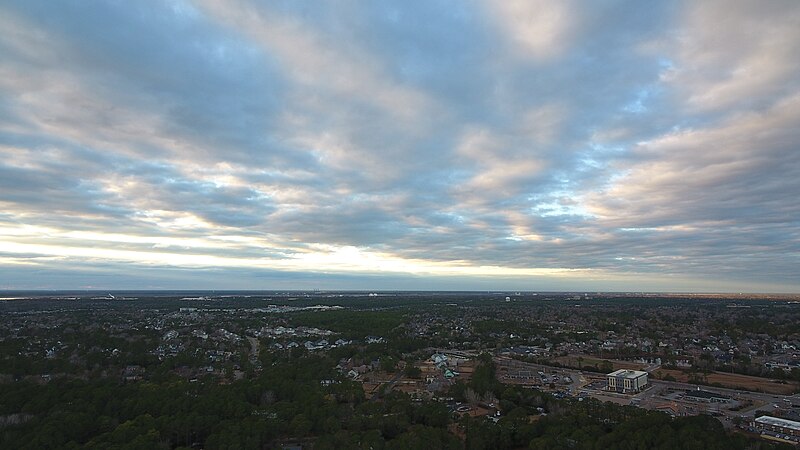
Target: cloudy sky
point(542, 145)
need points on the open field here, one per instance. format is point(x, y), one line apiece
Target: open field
point(736, 381)
point(573, 361)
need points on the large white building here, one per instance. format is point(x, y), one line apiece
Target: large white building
point(627, 381)
point(777, 427)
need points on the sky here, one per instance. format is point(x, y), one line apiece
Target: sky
point(416, 145)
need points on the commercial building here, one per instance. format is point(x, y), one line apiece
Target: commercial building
point(705, 396)
point(627, 381)
point(777, 427)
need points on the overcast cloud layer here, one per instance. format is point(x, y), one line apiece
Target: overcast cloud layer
point(544, 145)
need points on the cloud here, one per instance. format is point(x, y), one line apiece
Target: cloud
point(541, 29)
point(736, 54)
point(617, 145)
point(718, 193)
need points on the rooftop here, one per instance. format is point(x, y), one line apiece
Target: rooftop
point(625, 373)
point(705, 394)
point(778, 422)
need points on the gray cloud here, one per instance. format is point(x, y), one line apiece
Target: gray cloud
point(649, 145)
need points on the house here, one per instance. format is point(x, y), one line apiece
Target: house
point(450, 374)
point(312, 346)
point(172, 334)
point(439, 360)
point(133, 373)
point(785, 366)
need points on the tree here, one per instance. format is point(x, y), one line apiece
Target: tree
point(300, 425)
point(331, 425)
point(388, 364)
point(413, 371)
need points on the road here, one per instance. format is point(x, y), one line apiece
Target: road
point(768, 400)
point(255, 347)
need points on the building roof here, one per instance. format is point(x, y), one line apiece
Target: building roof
point(625, 373)
point(778, 422)
point(705, 394)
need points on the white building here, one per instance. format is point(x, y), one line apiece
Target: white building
point(787, 429)
point(627, 381)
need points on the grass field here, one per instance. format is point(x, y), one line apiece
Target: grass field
point(736, 381)
point(585, 360)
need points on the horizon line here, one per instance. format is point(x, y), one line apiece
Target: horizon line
point(475, 291)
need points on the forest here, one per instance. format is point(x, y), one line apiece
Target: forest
point(213, 374)
point(288, 403)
